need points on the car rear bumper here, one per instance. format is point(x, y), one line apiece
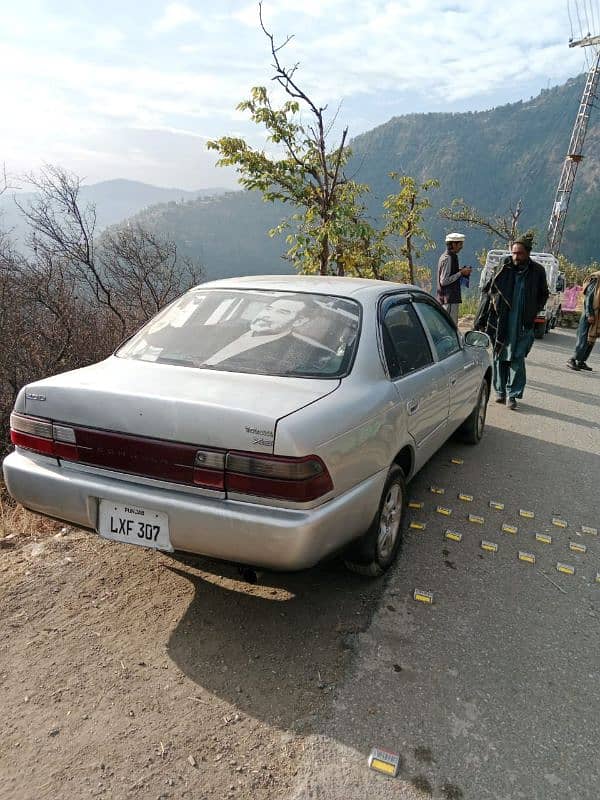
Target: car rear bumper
point(247, 533)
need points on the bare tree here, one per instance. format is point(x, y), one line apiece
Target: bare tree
point(145, 272)
point(503, 229)
point(128, 270)
point(59, 303)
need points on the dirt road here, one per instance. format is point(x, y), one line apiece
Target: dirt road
point(127, 674)
point(124, 673)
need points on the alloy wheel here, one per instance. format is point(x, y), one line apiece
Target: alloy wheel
point(389, 521)
point(482, 410)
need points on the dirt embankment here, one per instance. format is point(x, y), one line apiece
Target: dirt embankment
point(125, 673)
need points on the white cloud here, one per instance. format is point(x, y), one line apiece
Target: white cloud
point(62, 77)
point(435, 50)
point(108, 37)
point(174, 16)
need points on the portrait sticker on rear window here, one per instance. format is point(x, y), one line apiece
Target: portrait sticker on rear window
point(258, 332)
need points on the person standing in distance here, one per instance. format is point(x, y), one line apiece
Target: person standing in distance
point(589, 324)
point(450, 275)
point(510, 302)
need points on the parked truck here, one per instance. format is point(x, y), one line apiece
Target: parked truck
point(549, 316)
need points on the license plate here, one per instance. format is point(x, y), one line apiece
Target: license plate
point(134, 525)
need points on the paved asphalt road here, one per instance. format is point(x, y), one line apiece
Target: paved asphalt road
point(493, 691)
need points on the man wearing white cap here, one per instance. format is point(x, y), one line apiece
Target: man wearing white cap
point(450, 274)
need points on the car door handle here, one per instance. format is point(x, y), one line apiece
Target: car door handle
point(468, 366)
point(452, 381)
point(412, 406)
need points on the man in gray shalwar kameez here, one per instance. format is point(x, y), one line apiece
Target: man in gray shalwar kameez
point(450, 275)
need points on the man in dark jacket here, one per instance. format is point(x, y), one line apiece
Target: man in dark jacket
point(450, 275)
point(589, 323)
point(511, 300)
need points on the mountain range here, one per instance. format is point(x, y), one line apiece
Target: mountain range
point(114, 200)
point(491, 159)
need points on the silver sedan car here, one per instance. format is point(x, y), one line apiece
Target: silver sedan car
point(269, 421)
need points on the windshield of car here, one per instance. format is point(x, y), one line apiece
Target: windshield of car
point(252, 331)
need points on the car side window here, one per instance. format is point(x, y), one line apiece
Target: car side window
point(405, 344)
point(443, 333)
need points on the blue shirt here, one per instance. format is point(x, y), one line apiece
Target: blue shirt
point(519, 339)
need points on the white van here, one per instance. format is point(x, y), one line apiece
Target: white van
point(549, 317)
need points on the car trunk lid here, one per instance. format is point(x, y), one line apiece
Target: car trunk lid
point(175, 404)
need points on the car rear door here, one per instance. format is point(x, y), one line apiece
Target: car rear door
point(421, 383)
point(462, 375)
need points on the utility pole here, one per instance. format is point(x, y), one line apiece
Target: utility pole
point(575, 151)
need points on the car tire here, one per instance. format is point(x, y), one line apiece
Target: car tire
point(472, 428)
point(376, 551)
point(539, 329)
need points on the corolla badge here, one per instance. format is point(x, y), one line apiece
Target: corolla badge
point(263, 438)
point(34, 396)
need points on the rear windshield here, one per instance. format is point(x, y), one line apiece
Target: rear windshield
point(258, 332)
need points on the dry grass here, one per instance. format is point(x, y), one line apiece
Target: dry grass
point(16, 522)
point(469, 305)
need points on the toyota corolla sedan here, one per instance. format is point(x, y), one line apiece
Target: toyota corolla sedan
point(269, 421)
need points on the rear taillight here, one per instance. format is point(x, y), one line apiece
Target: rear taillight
point(299, 480)
point(43, 436)
point(209, 469)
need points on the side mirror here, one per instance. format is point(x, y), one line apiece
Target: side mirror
point(477, 339)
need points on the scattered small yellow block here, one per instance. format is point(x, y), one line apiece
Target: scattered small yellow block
point(468, 498)
point(509, 528)
point(559, 523)
point(415, 504)
point(589, 531)
point(418, 526)
point(457, 460)
point(528, 557)
point(443, 510)
point(566, 568)
point(598, 577)
point(526, 514)
point(491, 547)
point(544, 538)
point(423, 597)
point(454, 536)
point(496, 506)
point(437, 490)
point(577, 548)
point(475, 519)
point(384, 761)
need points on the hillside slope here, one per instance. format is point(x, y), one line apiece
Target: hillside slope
point(490, 158)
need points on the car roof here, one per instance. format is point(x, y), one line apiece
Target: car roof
point(318, 284)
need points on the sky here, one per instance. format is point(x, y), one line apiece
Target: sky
point(131, 89)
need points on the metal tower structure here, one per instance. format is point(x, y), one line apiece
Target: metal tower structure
point(575, 151)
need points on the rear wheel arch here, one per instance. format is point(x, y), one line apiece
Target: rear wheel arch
point(405, 459)
point(472, 428)
point(375, 551)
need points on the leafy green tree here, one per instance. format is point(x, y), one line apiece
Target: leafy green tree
point(575, 274)
point(403, 223)
point(306, 173)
